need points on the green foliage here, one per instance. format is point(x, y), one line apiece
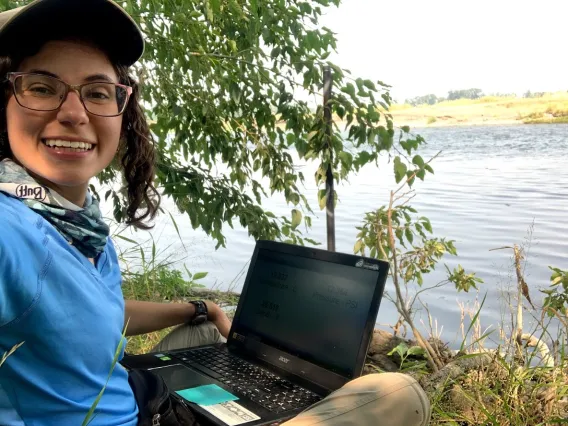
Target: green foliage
point(431, 120)
point(546, 120)
point(463, 281)
point(556, 300)
point(529, 94)
point(465, 94)
point(430, 99)
point(410, 358)
point(162, 282)
point(399, 169)
point(413, 234)
point(417, 253)
point(220, 80)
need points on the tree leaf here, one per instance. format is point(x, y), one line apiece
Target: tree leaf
point(296, 218)
point(409, 235)
point(399, 170)
point(199, 275)
point(401, 349)
point(416, 351)
point(358, 247)
point(322, 198)
point(418, 161)
point(370, 85)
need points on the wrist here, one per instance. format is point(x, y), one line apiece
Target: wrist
point(212, 310)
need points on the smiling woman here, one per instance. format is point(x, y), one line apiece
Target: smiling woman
point(49, 123)
point(68, 107)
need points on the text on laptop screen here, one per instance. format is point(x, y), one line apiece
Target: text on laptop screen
point(311, 308)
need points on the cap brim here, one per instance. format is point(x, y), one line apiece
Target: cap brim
point(100, 21)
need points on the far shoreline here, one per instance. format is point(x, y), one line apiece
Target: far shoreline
point(487, 111)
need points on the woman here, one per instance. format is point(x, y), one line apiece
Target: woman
point(69, 109)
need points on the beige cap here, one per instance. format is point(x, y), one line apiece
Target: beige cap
point(101, 21)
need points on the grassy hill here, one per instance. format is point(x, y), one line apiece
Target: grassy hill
point(551, 108)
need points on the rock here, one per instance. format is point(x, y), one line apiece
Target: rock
point(459, 399)
point(383, 342)
point(384, 363)
point(436, 382)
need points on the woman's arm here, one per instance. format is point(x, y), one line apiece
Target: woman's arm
point(146, 317)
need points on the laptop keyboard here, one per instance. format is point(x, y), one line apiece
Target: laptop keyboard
point(243, 378)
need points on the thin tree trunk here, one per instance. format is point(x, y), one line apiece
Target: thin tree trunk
point(433, 360)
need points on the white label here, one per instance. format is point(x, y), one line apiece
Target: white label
point(231, 413)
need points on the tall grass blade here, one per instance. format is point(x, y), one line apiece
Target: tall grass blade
point(471, 324)
point(10, 353)
point(177, 230)
point(89, 418)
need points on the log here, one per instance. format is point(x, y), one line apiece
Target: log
point(437, 381)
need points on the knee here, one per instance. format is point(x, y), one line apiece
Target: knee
point(400, 390)
point(391, 383)
point(210, 333)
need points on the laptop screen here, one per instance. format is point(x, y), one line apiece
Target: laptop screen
point(311, 308)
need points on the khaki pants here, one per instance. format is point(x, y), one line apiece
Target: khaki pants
point(388, 399)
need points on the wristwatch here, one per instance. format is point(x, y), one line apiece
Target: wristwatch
point(200, 315)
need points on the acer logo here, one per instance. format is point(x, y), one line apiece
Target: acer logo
point(284, 360)
point(362, 264)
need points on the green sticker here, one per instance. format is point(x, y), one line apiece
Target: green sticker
point(207, 395)
point(165, 358)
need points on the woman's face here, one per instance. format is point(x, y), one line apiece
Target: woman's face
point(30, 132)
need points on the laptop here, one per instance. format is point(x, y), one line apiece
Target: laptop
point(301, 330)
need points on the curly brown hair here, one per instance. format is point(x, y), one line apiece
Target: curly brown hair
point(138, 155)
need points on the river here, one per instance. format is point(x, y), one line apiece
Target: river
point(493, 186)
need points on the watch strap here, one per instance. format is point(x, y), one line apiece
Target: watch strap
point(201, 312)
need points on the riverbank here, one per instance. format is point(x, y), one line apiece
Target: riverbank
point(474, 386)
point(489, 110)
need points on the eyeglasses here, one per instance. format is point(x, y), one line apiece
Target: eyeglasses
point(40, 92)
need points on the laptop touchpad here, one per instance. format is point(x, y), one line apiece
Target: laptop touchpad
point(179, 377)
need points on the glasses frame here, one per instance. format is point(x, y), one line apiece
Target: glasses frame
point(11, 77)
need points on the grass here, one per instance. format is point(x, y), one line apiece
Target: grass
point(551, 108)
point(544, 120)
point(515, 384)
point(506, 389)
point(154, 278)
point(10, 353)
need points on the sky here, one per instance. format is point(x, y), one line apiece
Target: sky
point(433, 46)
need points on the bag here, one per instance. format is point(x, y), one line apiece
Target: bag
point(156, 406)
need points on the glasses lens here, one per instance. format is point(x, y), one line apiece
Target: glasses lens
point(105, 99)
point(39, 92)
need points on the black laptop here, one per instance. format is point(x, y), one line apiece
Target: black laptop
point(301, 330)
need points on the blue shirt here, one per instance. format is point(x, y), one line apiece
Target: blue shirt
point(70, 316)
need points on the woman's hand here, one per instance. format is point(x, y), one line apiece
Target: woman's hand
point(218, 317)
